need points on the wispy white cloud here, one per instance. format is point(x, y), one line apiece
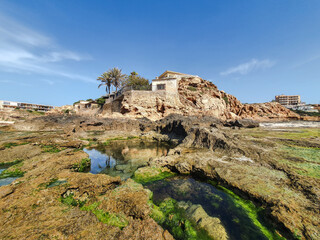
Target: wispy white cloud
point(307, 61)
point(14, 82)
point(23, 49)
point(248, 67)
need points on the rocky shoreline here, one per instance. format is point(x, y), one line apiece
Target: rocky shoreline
point(277, 170)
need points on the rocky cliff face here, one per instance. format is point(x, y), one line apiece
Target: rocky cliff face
point(198, 97)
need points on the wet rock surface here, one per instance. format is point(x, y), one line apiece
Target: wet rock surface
point(69, 205)
point(259, 169)
point(211, 224)
point(276, 169)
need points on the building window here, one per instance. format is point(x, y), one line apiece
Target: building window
point(161, 86)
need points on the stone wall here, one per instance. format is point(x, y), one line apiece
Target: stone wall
point(171, 85)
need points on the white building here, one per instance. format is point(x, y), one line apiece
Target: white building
point(168, 81)
point(27, 106)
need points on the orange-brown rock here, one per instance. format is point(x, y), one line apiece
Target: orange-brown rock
point(197, 97)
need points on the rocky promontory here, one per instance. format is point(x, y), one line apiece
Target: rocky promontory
point(195, 97)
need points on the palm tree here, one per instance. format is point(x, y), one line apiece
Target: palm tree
point(106, 80)
point(117, 77)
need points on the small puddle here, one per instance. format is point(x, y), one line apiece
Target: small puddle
point(123, 158)
point(6, 181)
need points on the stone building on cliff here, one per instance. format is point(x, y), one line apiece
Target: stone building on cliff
point(168, 81)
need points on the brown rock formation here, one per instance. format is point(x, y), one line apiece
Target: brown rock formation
point(197, 97)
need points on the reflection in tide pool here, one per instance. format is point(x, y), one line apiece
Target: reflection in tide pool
point(6, 181)
point(100, 161)
point(123, 158)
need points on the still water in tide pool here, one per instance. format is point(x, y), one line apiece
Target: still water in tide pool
point(6, 181)
point(214, 201)
point(123, 158)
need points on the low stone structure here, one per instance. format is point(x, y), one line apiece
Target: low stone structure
point(82, 106)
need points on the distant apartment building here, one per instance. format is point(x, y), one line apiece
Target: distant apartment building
point(27, 106)
point(288, 100)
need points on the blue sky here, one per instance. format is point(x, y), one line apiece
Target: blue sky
point(51, 52)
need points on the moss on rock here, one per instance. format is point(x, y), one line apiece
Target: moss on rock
point(173, 218)
point(11, 173)
point(150, 174)
point(82, 166)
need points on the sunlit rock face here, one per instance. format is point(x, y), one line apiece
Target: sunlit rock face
point(195, 97)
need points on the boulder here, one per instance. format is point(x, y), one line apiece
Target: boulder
point(212, 225)
point(242, 123)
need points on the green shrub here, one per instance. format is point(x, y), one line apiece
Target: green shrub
point(304, 113)
point(100, 101)
point(226, 100)
point(192, 89)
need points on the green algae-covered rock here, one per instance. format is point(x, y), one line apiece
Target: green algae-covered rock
point(148, 174)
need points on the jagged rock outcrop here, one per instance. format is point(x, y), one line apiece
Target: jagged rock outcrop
point(198, 97)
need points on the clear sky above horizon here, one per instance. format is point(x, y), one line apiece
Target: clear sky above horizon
point(51, 52)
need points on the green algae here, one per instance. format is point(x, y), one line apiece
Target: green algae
point(111, 219)
point(11, 173)
point(150, 174)
point(296, 134)
point(52, 148)
point(52, 183)
point(309, 160)
point(13, 144)
point(173, 218)
point(252, 212)
point(82, 166)
point(9, 164)
point(71, 201)
point(309, 154)
point(108, 141)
